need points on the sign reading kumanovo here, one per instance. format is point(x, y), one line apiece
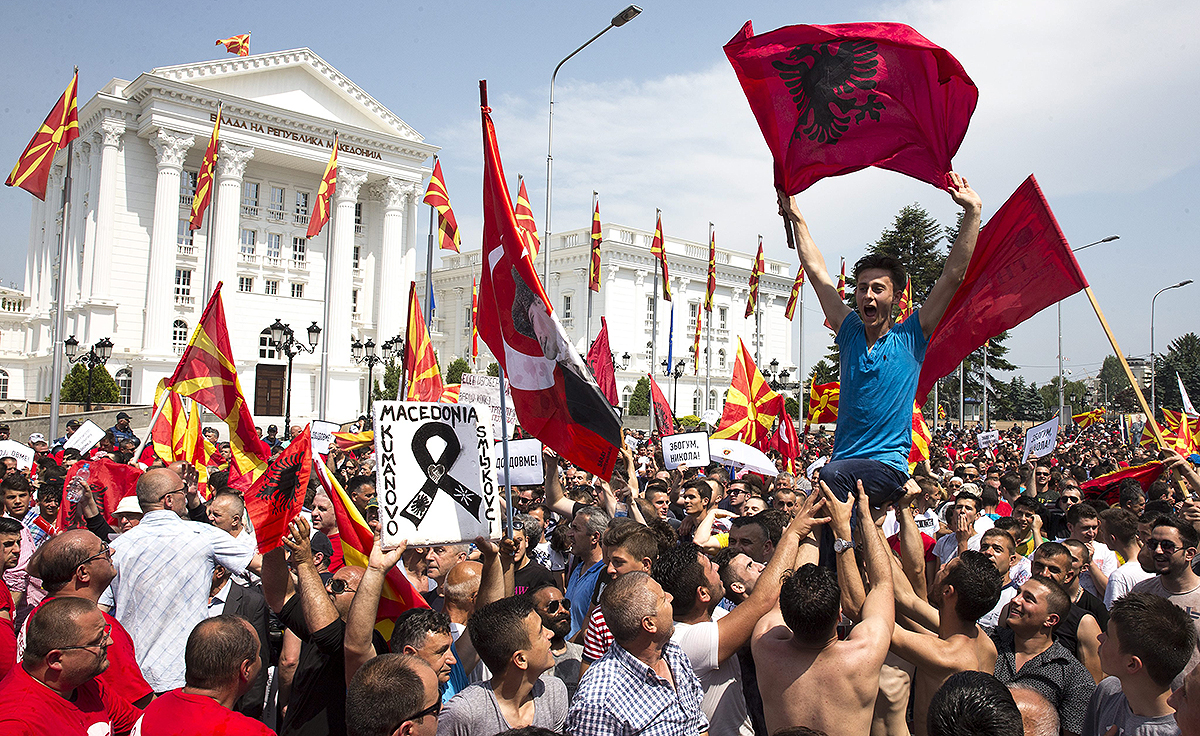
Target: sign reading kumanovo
point(436, 473)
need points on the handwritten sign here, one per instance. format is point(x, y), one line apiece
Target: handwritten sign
point(85, 438)
point(322, 436)
point(524, 463)
point(436, 473)
point(690, 449)
point(1040, 440)
point(485, 391)
point(988, 439)
point(14, 449)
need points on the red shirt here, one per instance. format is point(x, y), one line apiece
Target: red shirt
point(8, 637)
point(179, 714)
point(29, 708)
point(123, 675)
point(1003, 508)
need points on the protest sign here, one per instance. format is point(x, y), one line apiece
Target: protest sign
point(14, 449)
point(322, 436)
point(436, 473)
point(1040, 440)
point(524, 463)
point(85, 438)
point(485, 391)
point(690, 449)
point(988, 439)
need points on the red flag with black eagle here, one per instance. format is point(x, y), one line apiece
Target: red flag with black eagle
point(664, 422)
point(1021, 265)
point(600, 360)
point(278, 494)
point(109, 482)
point(835, 99)
point(554, 394)
point(1107, 488)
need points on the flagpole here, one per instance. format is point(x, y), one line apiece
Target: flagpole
point(212, 210)
point(708, 334)
point(654, 322)
point(985, 382)
point(158, 410)
point(60, 312)
point(587, 330)
point(429, 266)
point(757, 303)
point(508, 507)
point(936, 406)
point(327, 315)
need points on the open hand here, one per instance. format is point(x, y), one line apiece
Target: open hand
point(297, 540)
point(962, 193)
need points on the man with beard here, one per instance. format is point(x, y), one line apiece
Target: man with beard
point(1169, 552)
point(555, 611)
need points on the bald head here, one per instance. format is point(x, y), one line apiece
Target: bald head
point(225, 512)
point(1038, 716)
point(462, 583)
point(153, 487)
point(61, 563)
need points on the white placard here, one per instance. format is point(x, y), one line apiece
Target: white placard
point(524, 463)
point(436, 471)
point(690, 449)
point(23, 454)
point(85, 438)
point(322, 436)
point(476, 388)
point(1040, 440)
point(988, 439)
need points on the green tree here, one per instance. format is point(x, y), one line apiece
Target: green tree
point(393, 370)
point(1182, 357)
point(821, 372)
point(639, 403)
point(455, 370)
point(494, 370)
point(915, 238)
point(104, 387)
point(1073, 392)
point(792, 407)
point(1112, 377)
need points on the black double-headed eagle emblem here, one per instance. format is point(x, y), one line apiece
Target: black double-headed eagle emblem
point(826, 81)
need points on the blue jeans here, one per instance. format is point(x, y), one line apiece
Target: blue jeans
point(883, 484)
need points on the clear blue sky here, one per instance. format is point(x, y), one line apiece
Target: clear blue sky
point(1096, 98)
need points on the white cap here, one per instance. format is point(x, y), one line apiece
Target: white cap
point(128, 505)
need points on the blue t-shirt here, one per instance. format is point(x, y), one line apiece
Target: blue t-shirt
point(579, 592)
point(877, 388)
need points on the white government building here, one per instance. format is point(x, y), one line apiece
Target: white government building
point(137, 275)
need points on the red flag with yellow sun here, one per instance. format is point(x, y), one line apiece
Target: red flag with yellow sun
point(823, 403)
point(751, 407)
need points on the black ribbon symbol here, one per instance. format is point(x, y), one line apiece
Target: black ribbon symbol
point(437, 473)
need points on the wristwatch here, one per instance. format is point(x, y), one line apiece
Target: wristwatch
point(841, 545)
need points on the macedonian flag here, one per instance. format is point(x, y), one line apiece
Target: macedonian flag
point(823, 403)
point(906, 305)
point(755, 274)
point(239, 44)
point(204, 182)
point(320, 213)
point(437, 197)
point(1088, 418)
point(920, 439)
point(658, 250)
point(841, 285)
point(711, 287)
point(421, 373)
point(524, 214)
point(60, 128)
point(794, 297)
point(751, 407)
point(596, 240)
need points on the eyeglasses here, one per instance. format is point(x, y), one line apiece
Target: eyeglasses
point(105, 640)
point(432, 710)
point(564, 603)
point(168, 493)
point(1168, 547)
point(337, 586)
point(104, 552)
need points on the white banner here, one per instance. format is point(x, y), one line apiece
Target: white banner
point(23, 454)
point(322, 436)
point(436, 473)
point(988, 439)
point(1041, 440)
point(524, 463)
point(690, 449)
point(86, 437)
point(476, 388)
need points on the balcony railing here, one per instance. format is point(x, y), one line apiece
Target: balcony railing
point(185, 300)
point(300, 265)
point(300, 219)
point(273, 262)
point(185, 200)
point(186, 249)
point(250, 210)
point(248, 258)
point(358, 228)
point(274, 214)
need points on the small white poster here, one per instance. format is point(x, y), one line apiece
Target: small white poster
point(436, 472)
point(322, 436)
point(1041, 440)
point(524, 463)
point(690, 449)
point(988, 439)
point(23, 454)
point(477, 388)
point(86, 437)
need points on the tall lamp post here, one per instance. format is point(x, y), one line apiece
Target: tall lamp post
point(617, 21)
point(1153, 361)
point(365, 353)
point(97, 355)
point(283, 339)
point(677, 371)
point(1061, 403)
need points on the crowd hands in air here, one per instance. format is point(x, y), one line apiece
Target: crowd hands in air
point(985, 595)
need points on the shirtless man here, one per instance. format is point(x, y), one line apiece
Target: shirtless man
point(816, 680)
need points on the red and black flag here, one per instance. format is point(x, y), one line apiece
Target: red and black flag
point(1107, 488)
point(600, 360)
point(278, 494)
point(664, 422)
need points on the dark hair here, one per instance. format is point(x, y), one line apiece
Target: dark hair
point(1187, 532)
point(9, 525)
point(810, 602)
point(384, 691)
point(498, 630)
point(776, 522)
point(974, 703)
point(1121, 523)
point(1130, 492)
point(1158, 507)
point(680, 573)
point(1156, 631)
point(1028, 503)
point(53, 625)
point(359, 481)
point(1079, 512)
point(701, 487)
point(741, 521)
point(216, 649)
point(1007, 524)
point(50, 490)
point(977, 582)
point(988, 495)
point(16, 482)
point(972, 496)
point(887, 263)
point(639, 542)
point(1011, 483)
point(1003, 534)
point(414, 625)
point(1058, 600)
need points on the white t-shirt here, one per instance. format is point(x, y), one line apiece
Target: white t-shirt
point(946, 548)
point(991, 619)
point(721, 682)
point(1107, 560)
point(1122, 581)
point(927, 522)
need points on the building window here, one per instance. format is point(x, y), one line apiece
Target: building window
point(722, 320)
point(302, 204)
point(187, 186)
point(721, 358)
point(649, 308)
point(179, 335)
point(567, 314)
point(712, 399)
point(467, 321)
point(266, 349)
point(275, 208)
point(125, 385)
point(185, 232)
point(299, 252)
point(249, 241)
point(274, 245)
point(358, 213)
point(183, 284)
point(357, 254)
point(249, 194)
point(246, 284)
point(297, 291)
point(271, 288)
point(626, 394)
point(696, 402)
point(3, 384)
point(354, 302)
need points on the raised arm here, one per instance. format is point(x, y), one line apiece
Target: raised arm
point(912, 549)
point(959, 258)
point(849, 579)
point(555, 499)
point(814, 264)
point(318, 609)
point(358, 645)
point(878, 610)
point(276, 580)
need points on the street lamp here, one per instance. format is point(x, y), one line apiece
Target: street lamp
point(617, 21)
point(283, 339)
point(97, 355)
point(677, 371)
point(365, 353)
point(1153, 362)
point(1109, 239)
point(623, 362)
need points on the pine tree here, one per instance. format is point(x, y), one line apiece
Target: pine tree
point(915, 238)
point(639, 403)
point(393, 370)
point(455, 370)
point(1112, 376)
point(494, 370)
point(1182, 357)
point(104, 387)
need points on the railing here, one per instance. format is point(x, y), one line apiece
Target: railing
point(185, 200)
point(250, 210)
point(568, 323)
point(273, 262)
point(248, 258)
point(185, 300)
point(275, 215)
point(574, 239)
point(12, 305)
point(358, 228)
point(186, 249)
point(300, 265)
point(179, 347)
point(300, 219)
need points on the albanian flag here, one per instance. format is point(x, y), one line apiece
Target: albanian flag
point(835, 99)
point(278, 494)
point(751, 407)
point(108, 481)
point(600, 360)
point(554, 394)
point(1021, 265)
point(664, 421)
point(1107, 488)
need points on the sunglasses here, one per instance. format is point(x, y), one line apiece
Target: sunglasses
point(168, 493)
point(553, 606)
point(1168, 547)
point(104, 552)
point(337, 586)
point(432, 710)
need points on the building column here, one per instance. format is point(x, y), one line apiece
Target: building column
point(112, 131)
point(171, 148)
point(339, 260)
point(639, 320)
point(410, 240)
point(88, 258)
point(395, 195)
point(54, 213)
point(69, 270)
point(220, 258)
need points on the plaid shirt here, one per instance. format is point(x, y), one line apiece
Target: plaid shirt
point(621, 696)
point(36, 530)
